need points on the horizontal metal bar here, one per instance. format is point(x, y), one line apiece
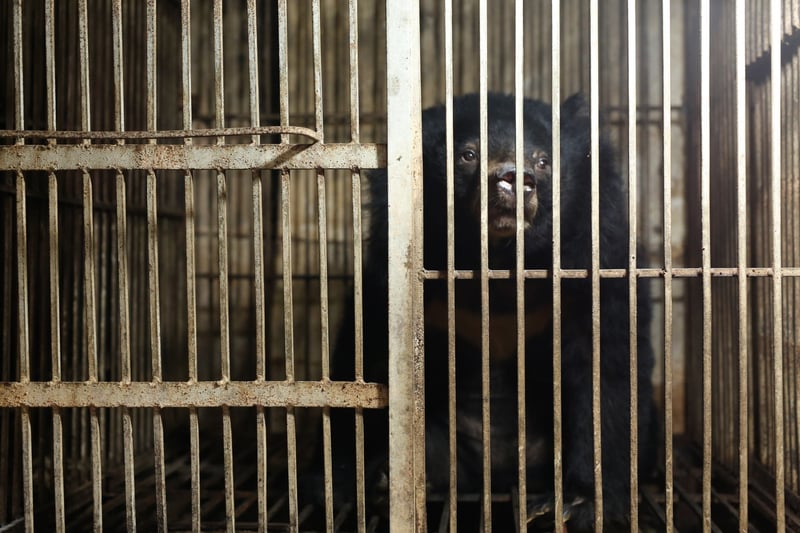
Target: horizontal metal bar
point(183, 157)
point(160, 134)
point(614, 273)
point(199, 394)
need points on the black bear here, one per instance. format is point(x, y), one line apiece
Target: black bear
point(576, 351)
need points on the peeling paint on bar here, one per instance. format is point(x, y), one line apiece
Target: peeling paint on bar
point(177, 157)
point(186, 394)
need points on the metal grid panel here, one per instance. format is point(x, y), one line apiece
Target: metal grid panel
point(162, 289)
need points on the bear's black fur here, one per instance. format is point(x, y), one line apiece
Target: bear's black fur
point(576, 337)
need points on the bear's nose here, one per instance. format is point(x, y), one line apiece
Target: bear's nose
point(508, 174)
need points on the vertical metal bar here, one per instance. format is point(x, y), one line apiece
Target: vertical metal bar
point(222, 228)
point(288, 325)
point(355, 122)
point(252, 66)
point(122, 267)
point(667, 180)
point(595, 220)
point(633, 193)
point(705, 177)
point(155, 347)
point(451, 261)
point(55, 349)
point(91, 346)
point(358, 291)
point(283, 67)
point(50, 63)
point(519, 153)
point(317, 50)
point(152, 266)
point(484, 224)
point(116, 52)
point(19, 85)
point(24, 355)
point(741, 203)
point(124, 346)
point(404, 128)
point(258, 252)
point(89, 270)
point(776, 35)
point(358, 284)
point(325, 343)
point(555, 82)
point(225, 362)
point(191, 290)
point(22, 272)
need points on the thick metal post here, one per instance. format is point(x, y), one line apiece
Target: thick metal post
point(404, 138)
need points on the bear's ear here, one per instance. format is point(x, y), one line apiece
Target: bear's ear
point(433, 126)
point(575, 108)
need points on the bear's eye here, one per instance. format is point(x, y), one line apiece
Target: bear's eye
point(542, 163)
point(469, 155)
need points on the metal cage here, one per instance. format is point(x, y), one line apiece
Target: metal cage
point(183, 221)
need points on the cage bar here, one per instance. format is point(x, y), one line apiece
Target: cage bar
point(404, 162)
point(633, 192)
point(776, 37)
point(555, 98)
point(595, 270)
point(486, 511)
point(519, 156)
point(741, 204)
point(705, 205)
point(666, 77)
point(452, 501)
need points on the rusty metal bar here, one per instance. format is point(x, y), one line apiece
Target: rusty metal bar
point(122, 267)
point(283, 68)
point(252, 67)
point(224, 339)
point(55, 348)
point(486, 512)
point(186, 65)
point(191, 329)
point(259, 270)
point(182, 157)
point(595, 274)
point(633, 192)
point(776, 35)
point(325, 344)
point(519, 156)
point(50, 65)
point(666, 73)
point(452, 501)
point(151, 100)
point(124, 346)
point(153, 282)
point(90, 309)
point(404, 129)
point(742, 252)
point(105, 394)
point(19, 84)
point(705, 178)
point(116, 54)
point(555, 161)
point(358, 280)
point(191, 290)
point(23, 330)
point(150, 134)
point(317, 50)
point(288, 328)
point(619, 273)
point(355, 121)
point(22, 272)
